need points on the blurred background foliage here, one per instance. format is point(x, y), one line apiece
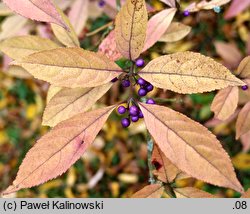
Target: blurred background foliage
point(116, 164)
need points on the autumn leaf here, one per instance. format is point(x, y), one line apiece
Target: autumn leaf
point(242, 123)
point(70, 67)
point(191, 192)
point(67, 36)
point(190, 146)
point(188, 72)
point(55, 152)
point(225, 103)
point(43, 11)
point(246, 194)
point(78, 15)
point(170, 3)
point(130, 29)
point(164, 170)
point(205, 5)
point(69, 102)
point(244, 68)
point(150, 191)
point(245, 141)
point(52, 91)
point(175, 32)
point(21, 46)
point(235, 8)
point(157, 26)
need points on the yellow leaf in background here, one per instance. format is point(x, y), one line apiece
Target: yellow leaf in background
point(71, 177)
point(179, 46)
point(50, 185)
point(31, 111)
point(115, 189)
point(128, 178)
point(3, 137)
point(242, 161)
point(243, 32)
point(130, 29)
point(69, 193)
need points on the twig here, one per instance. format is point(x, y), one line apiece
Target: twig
point(99, 29)
point(150, 145)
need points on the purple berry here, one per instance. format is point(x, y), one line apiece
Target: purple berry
point(139, 62)
point(244, 87)
point(140, 115)
point(101, 3)
point(125, 122)
point(141, 82)
point(134, 118)
point(114, 80)
point(121, 109)
point(149, 87)
point(186, 13)
point(142, 92)
point(133, 110)
point(125, 83)
point(150, 101)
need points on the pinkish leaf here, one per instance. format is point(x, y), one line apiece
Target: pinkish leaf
point(236, 7)
point(243, 121)
point(157, 26)
point(39, 10)
point(170, 3)
point(245, 141)
point(150, 191)
point(55, 152)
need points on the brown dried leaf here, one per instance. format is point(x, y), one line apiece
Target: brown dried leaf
point(52, 91)
point(150, 191)
point(21, 46)
point(188, 72)
point(70, 67)
point(69, 102)
point(191, 192)
point(225, 103)
point(130, 29)
point(165, 170)
point(244, 68)
point(55, 152)
point(243, 121)
point(190, 146)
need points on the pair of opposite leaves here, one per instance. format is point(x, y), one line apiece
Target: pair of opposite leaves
point(182, 72)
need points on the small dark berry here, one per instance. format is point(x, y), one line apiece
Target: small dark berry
point(141, 82)
point(121, 110)
point(125, 122)
point(244, 87)
point(134, 118)
point(133, 110)
point(156, 164)
point(149, 87)
point(140, 115)
point(114, 80)
point(125, 83)
point(139, 62)
point(101, 3)
point(186, 13)
point(142, 92)
point(150, 101)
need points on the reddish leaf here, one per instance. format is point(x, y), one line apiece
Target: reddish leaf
point(245, 141)
point(243, 121)
point(150, 191)
point(236, 7)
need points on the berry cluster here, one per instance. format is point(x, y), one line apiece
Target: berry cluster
point(145, 87)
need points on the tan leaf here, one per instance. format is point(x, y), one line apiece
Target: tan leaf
point(244, 68)
point(188, 72)
point(55, 152)
point(69, 102)
point(191, 192)
point(246, 194)
point(150, 191)
point(130, 29)
point(243, 121)
point(52, 91)
point(175, 32)
point(21, 46)
point(157, 26)
point(4, 10)
point(71, 67)
point(245, 141)
point(225, 102)
point(190, 146)
point(66, 37)
point(18, 72)
point(165, 170)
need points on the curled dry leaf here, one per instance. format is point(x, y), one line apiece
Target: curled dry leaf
point(188, 72)
point(190, 146)
point(70, 67)
point(150, 191)
point(38, 10)
point(69, 102)
point(164, 170)
point(175, 32)
point(67, 36)
point(245, 141)
point(243, 121)
point(236, 7)
point(244, 68)
point(191, 192)
point(130, 29)
point(225, 103)
point(157, 26)
point(21, 46)
point(246, 194)
point(55, 152)
point(78, 15)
